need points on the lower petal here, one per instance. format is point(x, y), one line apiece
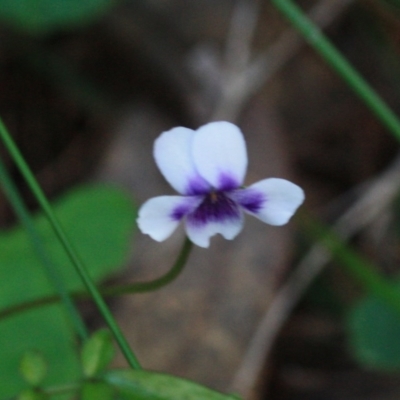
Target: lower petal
point(272, 200)
point(160, 216)
point(200, 228)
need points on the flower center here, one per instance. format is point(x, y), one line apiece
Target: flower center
point(216, 207)
point(213, 197)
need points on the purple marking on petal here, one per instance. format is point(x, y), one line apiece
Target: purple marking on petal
point(250, 199)
point(216, 207)
point(179, 212)
point(227, 182)
point(183, 209)
point(197, 186)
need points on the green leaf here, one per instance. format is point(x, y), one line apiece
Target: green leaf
point(33, 367)
point(43, 16)
point(99, 221)
point(32, 394)
point(97, 391)
point(374, 332)
point(97, 353)
point(145, 385)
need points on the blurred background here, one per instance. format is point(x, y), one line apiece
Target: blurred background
point(87, 85)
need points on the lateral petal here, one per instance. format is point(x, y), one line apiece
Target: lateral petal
point(272, 200)
point(159, 217)
point(173, 156)
point(219, 153)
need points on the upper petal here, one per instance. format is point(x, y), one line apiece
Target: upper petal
point(159, 216)
point(272, 200)
point(216, 214)
point(173, 155)
point(219, 153)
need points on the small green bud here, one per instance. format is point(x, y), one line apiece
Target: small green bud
point(97, 353)
point(33, 367)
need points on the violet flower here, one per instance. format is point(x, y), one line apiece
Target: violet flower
point(207, 167)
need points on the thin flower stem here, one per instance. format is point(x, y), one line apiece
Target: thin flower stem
point(65, 242)
point(51, 270)
point(138, 287)
point(335, 59)
point(157, 283)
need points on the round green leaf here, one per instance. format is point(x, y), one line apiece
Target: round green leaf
point(97, 353)
point(99, 220)
point(146, 385)
point(33, 367)
point(374, 333)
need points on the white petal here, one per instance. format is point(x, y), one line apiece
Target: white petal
point(272, 200)
point(200, 226)
point(173, 155)
point(219, 153)
point(160, 216)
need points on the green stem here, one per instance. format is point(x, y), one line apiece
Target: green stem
point(137, 287)
point(76, 262)
point(51, 271)
point(360, 269)
point(324, 47)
